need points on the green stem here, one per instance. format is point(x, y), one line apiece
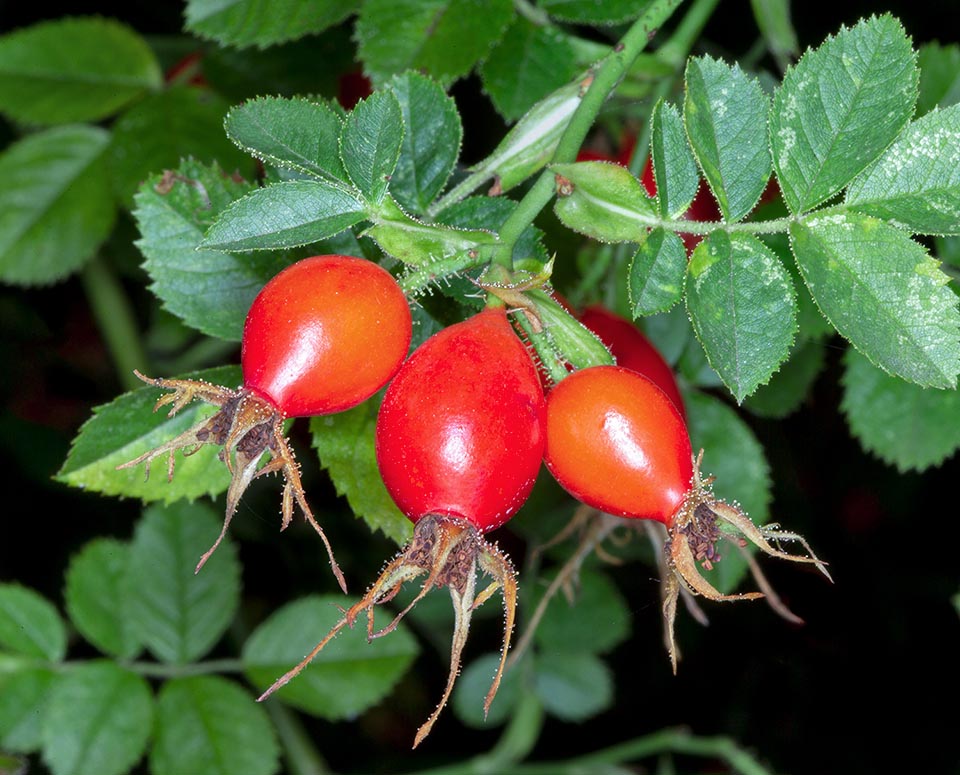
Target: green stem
point(114, 315)
point(301, 755)
point(608, 74)
point(211, 666)
point(517, 740)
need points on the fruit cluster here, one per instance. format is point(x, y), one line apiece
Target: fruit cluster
point(460, 437)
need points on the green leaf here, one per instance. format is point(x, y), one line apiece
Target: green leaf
point(883, 292)
point(285, 215)
point(263, 23)
point(126, 428)
point(674, 167)
point(594, 622)
point(297, 134)
point(916, 183)
point(345, 443)
point(742, 307)
point(98, 599)
point(592, 12)
point(431, 141)
point(603, 201)
point(347, 677)
point(288, 70)
point(656, 273)
point(736, 458)
point(23, 705)
point(573, 686)
point(161, 130)
point(56, 207)
point(471, 689)
point(724, 112)
point(98, 720)
point(444, 38)
point(528, 63)
point(839, 108)
point(939, 76)
point(211, 725)
point(531, 143)
point(421, 244)
point(30, 625)
point(789, 387)
point(370, 143)
point(208, 289)
point(905, 425)
point(73, 69)
point(178, 613)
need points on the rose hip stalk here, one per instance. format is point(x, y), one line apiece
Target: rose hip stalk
point(460, 439)
point(616, 442)
point(321, 336)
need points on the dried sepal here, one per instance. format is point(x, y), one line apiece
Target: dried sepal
point(696, 529)
point(245, 427)
point(449, 551)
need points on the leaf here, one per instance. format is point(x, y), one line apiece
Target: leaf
point(573, 686)
point(431, 141)
point(23, 704)
point(263, 23)
point(178, 613)
point(30, 625)
point(285, 215)
point(297, 134)
point(905, 425)
point(595, 621)
point(421, 244)
point(98, 599)
point(471, 689)
point(347, 677)
point(164, 128)
point(674, 167)
point(939, 76)
point(603, 201)
point(742, 307)
point(126, 428)
point(916, 183)
point(211, 725)
point(883, 292)
point(370, 143)
point(491, 212)
point(656, 273)
point(288, 70)
point(839, 108)
point(209, 290)
point(98, 720)
point(345, 443)
point(789, 387)
point(444, 38)
point(736, 458)
point(528, 63)
point(724, 112)
point(592, 12)
point(74, 69)
point(56, 207)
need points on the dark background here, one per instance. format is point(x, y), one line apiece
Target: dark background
point(868, 685)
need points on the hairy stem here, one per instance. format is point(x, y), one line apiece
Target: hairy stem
point(606, 77)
